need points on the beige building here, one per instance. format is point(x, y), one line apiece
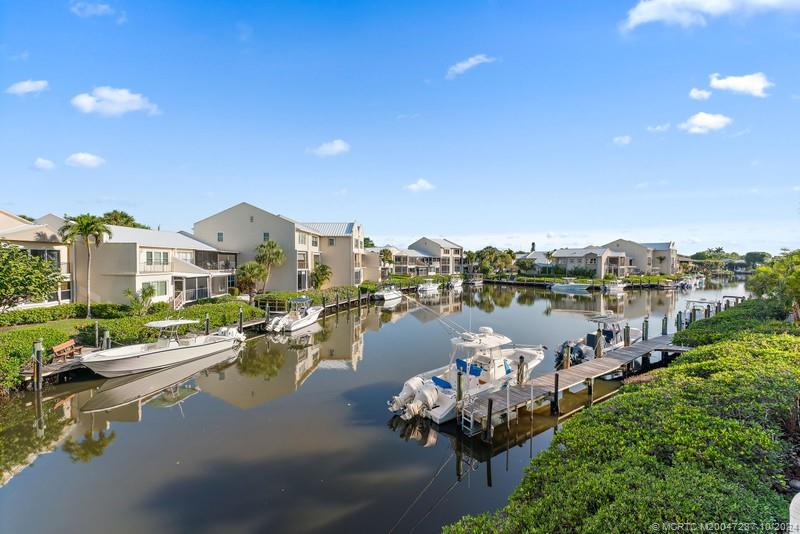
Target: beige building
point(41, 240)
point(648, 258)
point(180, 268)
point(448, 257)
point(243, 227)
point(601, 260)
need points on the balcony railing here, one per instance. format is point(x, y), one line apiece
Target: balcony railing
point(155, 267)
point(217, 265)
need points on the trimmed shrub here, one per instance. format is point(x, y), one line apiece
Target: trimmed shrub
point(16, 346)
point(233, 291)
point(61, 311)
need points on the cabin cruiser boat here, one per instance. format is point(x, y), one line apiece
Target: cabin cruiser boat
point(301, 336)
point(474, 279)
point(455, 282)
point(487, 360)
point(614, 287)
point(428, 287)
point(570, 286)
point(123, 390)
point(584, 349)
point(387, 292)
point(169, 350)
point(301, 314)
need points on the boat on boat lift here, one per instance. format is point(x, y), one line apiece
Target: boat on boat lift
point(474, 279)
point(486, 360)
point(387, 292)
point(455, 282)
point(611, 337)
point(570, 286)
point(614, 287)
point(169, 350)
point(428, 287)
point(301, 314)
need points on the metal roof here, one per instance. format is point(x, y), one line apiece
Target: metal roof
point(658, 246)
point(578, 252)
point(334, 229)
point(442, 242)
point(155, 238)
point(537, 256)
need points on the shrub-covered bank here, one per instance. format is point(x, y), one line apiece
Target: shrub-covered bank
point(707, 440)
point(15, 345)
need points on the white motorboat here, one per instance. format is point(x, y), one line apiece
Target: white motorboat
point(474, 279)
point(611, 337)
point(387, 292)
point(169, 350)
point(570, 286)
point(487, 362)
point(124, 390)
point(455, 282)
point(428, 287)
point(614, 287)
point(301, 314)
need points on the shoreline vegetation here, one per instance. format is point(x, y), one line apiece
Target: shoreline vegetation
point(712, 437)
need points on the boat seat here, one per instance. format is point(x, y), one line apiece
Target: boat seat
point(162, 343)
point(609, 335)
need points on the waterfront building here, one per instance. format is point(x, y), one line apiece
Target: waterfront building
point(648, 258)
point(445, 256)
point(601, 260)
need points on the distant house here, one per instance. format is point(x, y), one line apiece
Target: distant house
point(42, 240)
point(179, 267)
point(648, 258)
point(446, 257)
point(540, 260)
point(601, 260)
point(665, 257)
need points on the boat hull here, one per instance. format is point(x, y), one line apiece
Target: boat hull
point(155, 359)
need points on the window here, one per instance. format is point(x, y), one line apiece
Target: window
point(53, 256)
point(219, 237)
point(302, 260)
point(185, 255)
point(302, 238)
point(160, 287)
point(314, 241)
point(445, 251)
point(156, 257)
point(331, 241)
point(265, 236)
point(252, 218)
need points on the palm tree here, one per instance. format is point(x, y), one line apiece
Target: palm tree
point(320, 275)
point(248, 275)
point(269, 254)
point(469, 258)
point(122, 218)
point(90, 228)
point(386, 257)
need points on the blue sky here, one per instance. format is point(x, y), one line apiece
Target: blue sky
point(495, 122)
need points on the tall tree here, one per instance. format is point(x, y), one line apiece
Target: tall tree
point(757, 258)
point(92, 230)
point(781, 278)
point(24, 278)
point(269, 254)
point(320, 275)
point(26, 217)
point(248, 275)
point(386, 257)
point(121, 218)
point(368, 242)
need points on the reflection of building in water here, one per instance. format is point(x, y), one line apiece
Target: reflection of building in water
point(276, 366)
point(629, 304)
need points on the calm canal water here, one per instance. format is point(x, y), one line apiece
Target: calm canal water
point(294, 434)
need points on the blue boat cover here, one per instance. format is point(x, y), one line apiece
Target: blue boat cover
point(508, 367)
point(475, 370)
point(461, 365)
point(442, 383)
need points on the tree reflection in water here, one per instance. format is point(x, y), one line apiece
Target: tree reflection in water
point(88, 448)
point(258, 360)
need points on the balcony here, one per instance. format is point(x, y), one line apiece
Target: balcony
point(219, 265)
point(155, 267)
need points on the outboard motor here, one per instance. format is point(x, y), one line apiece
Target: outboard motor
point(425, 399)
point(409, 391)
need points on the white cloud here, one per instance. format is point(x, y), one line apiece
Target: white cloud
point(91, 9)
point(702, 123)
point(750, 84)
point(84, 159)
point(659, 128)
point(470, 63)
point(331, 148)
point(43, 164)
point(622, 140)
point(699, 94)
point(695, 12)
point(27, 86)
point(642, 185)
point(420, 185)
point(111, 102)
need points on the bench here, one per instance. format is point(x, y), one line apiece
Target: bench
point(66, 350)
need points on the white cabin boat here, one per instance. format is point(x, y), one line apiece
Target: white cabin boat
point(614, 287)
point(169, 350)
point(487, 361)
point(428, 287)
point(387, 292)
point(455, 282)
point(570, 286)
point(300, 315)
point(474, 279)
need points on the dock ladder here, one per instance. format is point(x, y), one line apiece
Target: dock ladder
point(469, 426)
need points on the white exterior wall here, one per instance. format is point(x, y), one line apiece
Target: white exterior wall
point(637, 256)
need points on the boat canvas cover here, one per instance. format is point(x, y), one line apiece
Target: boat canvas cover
point(480, 341)
point(170, 322)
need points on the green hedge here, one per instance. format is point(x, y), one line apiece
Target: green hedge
point(128, 330)
point(64, 311)
point(754, 315)
point(15, 350)
point(315, 294)
point(705, 441)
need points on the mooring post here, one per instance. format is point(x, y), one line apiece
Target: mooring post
point(645, 327)
point(626, 335)
point(324, 305)
point(718, 307)
point(487, 436)
point(97, 334)
point(337, 301)
point(521, 370)
point(646, 362)
point(727, 304)
point(241, 320)
point(106, 339)
point(207, 325)
point(590, 388)
point(555, 408)
point(459, 395)
point(707, 312)
point(508, 407)
point(38, 375)
point(679, 321)
point(598, 343)
point(664, 326)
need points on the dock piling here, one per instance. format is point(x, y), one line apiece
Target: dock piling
point(241, 320)
point(645, 328)
point(555, 409)
point(106, 339)
point(38, 353)
point(679, 321)
point(459, 395)
point(707, 312)
point(489, 426)
point(664, 326)
point(207, 325)
point(626, 335)
point(97, 334)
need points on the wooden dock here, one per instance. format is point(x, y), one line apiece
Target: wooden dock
point(487, 412)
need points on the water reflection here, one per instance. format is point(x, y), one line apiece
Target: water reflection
point(292, 435)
